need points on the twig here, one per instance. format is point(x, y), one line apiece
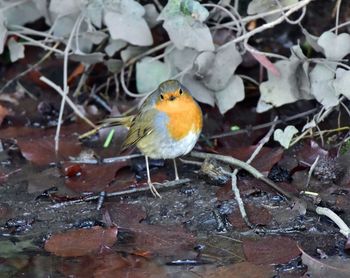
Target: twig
point(266, 125)
point(47, 55)
point(235, 189)
point(58, 89)
point(65, 79)
point(243, 165)
point(344, 229)
point(159, 187)
point(312, 168)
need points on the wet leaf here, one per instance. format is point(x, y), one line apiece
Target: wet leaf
point(110, 266)
point(185, 26)
point(41, 151)
point(263, 162)
point(159, 239)
point(3, 113)
point(323, 268)
point(310, 151)
point(335, 47)
point(238, 270)
point(81, 242)
point(270, 250)
point(284, 137)
point(256, 215)
point(92, 177)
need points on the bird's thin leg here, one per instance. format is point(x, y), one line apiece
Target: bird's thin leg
point(149, 182)
point(175, 169)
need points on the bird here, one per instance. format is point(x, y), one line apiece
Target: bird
point(166, 126)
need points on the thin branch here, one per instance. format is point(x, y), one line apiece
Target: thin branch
point(344, 229)
point(159, 187)
point(65, 79)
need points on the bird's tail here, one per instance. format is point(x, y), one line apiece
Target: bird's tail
point(109, 122)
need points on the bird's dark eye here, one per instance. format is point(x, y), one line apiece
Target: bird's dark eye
point(161, 96)
point(181, 91)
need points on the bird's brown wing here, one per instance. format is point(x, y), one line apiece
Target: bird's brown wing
point(141, 126)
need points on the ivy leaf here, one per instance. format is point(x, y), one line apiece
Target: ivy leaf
point(3, 34)
point(335, 46)
point(198, 90)
point(284, 137)
point(125, 21)
point(261, 6)
point(114, 46)
point(221, 70)
point(293, 79)
point(16, 50)
point(321, 78)
point(229, 96)
point(341, 83)
point(183, 20)
point(150, 73)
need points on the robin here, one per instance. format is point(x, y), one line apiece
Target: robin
point(166, 126)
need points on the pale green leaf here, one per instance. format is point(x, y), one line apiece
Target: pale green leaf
point(150, 73)
point(284, 137)
point(16, 50)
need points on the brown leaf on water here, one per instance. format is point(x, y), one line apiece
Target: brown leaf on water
point(81, 242)
point(263, 162)
point(309, 152)
point(111, 265)
point(41, 150)
point(159, 239)
point(323, 268)
point(92, 177)
point(3, 113)
point(256, 215)
point(270, 250)
point(238, 270)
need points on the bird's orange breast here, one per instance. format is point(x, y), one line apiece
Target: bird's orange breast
point(184, 114)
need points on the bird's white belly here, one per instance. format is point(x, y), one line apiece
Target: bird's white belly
point(168, 148)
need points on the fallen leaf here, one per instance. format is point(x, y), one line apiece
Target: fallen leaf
point(41, 151)
point(81, 242)
point(238, 270)
point(323, 268)
point(270, 250)
point(91, 177)
point(3, 113)
point(163, 240)
point(256, 215)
